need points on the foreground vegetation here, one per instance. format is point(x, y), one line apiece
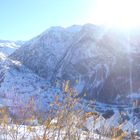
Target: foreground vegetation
point(65, 120)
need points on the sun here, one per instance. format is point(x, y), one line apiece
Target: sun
point(123, 14)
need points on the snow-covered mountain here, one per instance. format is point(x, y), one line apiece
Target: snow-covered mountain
point(18, 85)
point(17, 82)
point(8, 47)
point(105, 62)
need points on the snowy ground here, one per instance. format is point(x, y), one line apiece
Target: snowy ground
point(20, 132)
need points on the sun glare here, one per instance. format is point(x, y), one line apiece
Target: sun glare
point(118, 13)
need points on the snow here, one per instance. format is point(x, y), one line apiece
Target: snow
point(32, 132)
point(2, 56)
point(8, 47)
point(134, 95)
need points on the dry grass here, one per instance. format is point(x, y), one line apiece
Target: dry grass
point(64, 121)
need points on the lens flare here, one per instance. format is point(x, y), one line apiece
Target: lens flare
point(118, 13)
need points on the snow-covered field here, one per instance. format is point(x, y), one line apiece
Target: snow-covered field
point(23, 132)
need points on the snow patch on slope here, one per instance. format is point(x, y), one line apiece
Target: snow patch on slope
point(8, 47)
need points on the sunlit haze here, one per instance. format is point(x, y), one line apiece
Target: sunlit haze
point(122, 14)
point(22, 20)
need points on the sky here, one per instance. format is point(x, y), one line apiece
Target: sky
point(24, 19)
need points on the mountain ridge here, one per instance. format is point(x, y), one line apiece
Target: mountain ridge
point(93, 55)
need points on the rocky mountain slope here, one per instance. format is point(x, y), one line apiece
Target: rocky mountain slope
point(18, 85)
point(103, 63)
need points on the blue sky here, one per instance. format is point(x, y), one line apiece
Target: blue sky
point(24, 19)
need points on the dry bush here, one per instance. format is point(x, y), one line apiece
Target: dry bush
point(65, 121)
